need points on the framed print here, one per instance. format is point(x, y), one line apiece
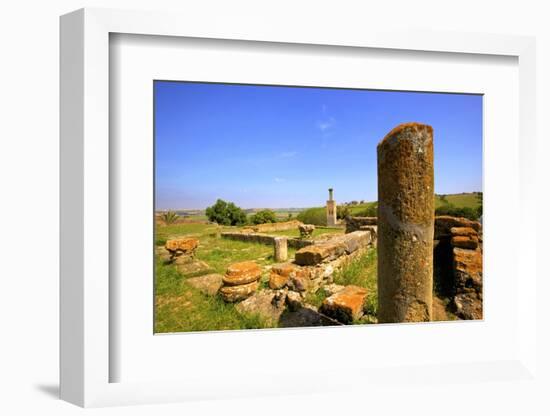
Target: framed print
point(232, 201)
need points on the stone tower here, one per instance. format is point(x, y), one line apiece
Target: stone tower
point(331, 210)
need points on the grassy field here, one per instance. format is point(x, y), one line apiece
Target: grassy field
point(467, 200)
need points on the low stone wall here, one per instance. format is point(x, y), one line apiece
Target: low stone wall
point(458, 264)
point(356, 223)
point(265, 239)
point(333, 248)
point(276, 226)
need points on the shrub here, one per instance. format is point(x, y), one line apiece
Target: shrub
point(226, 213)
point(369, 211)
point(466, 212)
point(169, 217)
point(342, 212)
point(261, 217)
point(315, 216)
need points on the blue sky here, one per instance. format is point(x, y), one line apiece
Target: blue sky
point(278, 147)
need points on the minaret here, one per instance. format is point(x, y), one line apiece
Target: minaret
point(331, 210)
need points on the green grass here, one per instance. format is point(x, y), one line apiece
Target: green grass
point(181, 308)
point(362, 272)
point(316, 298)
point(164, 232)
point(220, 253)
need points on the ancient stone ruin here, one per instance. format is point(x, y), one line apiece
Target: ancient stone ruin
point(346, 305)
point(405, 224)
point(306, 230)
point(332, 248)
point(181, 253)
point(280, 249)
point(181, 247)
point(289, 283)
point(416, 253)
point(240, 281)
point(270, 227)
point(360, 223)
point(458, 263)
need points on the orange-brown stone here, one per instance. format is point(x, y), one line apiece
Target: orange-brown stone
point(345, 306)
point(463, 231)
point(284, 269)
point(465, 241)
point(468, 268)
point(277, 281)
point(182, 245)
point(317, 253)
point(242, 273)
point(238, 293)
point(444, 224)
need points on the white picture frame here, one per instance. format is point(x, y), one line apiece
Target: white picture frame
point(85, 207)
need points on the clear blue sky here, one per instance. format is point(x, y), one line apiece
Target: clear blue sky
point(263, 146)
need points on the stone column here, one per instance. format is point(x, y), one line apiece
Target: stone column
point(280, 249)
point(405, 224)
point(331, 210)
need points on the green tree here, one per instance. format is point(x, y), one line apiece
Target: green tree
point(226, 213)
point(263, 216)
point(342, 211)
point(315, 216)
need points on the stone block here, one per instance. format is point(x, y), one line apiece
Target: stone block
point(179, 246)
point(262, 304)
point(242, 273)
point(346, 305)
point(238, 293)
point(468, 269)
point(444, 223)
point(194, 268)
point(312, 255)
point(208, 284)
point(465, 241)
point(277, 281)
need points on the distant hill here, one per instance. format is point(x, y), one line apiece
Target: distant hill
point(464, 200)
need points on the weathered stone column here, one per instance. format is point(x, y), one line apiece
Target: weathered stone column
point(405, 224)
point(280, 249)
